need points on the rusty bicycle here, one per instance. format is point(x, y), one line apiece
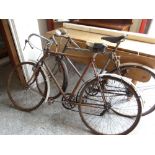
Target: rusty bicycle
point(107, 103)
point(139, 74)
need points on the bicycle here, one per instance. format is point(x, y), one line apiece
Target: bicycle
point(106, 103)
point(144, 79)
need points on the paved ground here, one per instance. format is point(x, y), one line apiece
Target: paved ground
point(50, 119)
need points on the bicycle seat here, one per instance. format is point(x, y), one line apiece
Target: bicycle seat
point(96, 47)
point(114, 39)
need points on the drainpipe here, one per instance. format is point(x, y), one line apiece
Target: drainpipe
point(143, 26)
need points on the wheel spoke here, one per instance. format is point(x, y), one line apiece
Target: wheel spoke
point(25, 95)
point(145, 84)
point(114, 114)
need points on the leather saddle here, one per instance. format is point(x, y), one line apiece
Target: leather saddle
point(114, 39)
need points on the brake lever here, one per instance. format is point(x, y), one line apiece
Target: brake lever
point(26, 41)
point(25, 44)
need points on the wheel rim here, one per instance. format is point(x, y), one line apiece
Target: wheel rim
point(58, 68)
point(109, 122)
point(25, 96)
point(146, 89)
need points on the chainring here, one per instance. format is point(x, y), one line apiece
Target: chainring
point(68, 101)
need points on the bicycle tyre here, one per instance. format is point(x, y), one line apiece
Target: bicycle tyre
point(103, 115)
point(15, 88)
point(60, 71)
point(146, 89)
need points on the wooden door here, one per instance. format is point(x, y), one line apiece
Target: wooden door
point(12, 52)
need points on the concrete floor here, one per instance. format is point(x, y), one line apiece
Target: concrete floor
point(49, 119)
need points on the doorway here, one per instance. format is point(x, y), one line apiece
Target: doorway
point(9, 48)
point(8, 54)
point(4, 56)
point(7, 43)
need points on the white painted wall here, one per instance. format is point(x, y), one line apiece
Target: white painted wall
point(21, 29)
point(151, 30)
point(42, 24)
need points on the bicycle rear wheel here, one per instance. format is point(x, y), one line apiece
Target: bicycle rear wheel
point(146, 86)
point(111, 108)
point(59, 70)
point(24, 94)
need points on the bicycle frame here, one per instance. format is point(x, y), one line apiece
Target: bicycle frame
point(111, 56)
point(62, 54)
point(90, 64)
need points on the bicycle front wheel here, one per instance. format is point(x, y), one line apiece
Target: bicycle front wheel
point(59, 70)
point(144, 79)
point(24, 93)
point(111, 108)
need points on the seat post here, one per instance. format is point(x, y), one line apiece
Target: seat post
point(94, 56)
point(116, 47)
